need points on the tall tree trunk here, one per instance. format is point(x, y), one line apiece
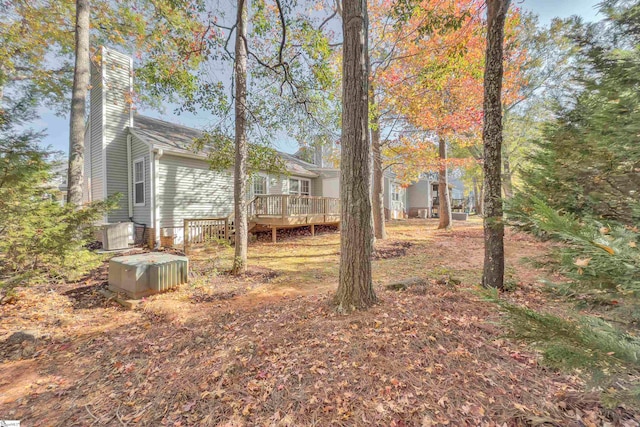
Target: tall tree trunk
point(78, 105)
point(477, 197)
point(493, 275)
point(507, 173)
point(507, 177)
point(355, 290)
point(444, 207)
point(379, 229)
point(482, 187)
point(240, 166)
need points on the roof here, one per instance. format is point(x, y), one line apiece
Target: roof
point(165, 135)
point(178, 139)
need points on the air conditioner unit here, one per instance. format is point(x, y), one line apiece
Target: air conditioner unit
point(116, 235)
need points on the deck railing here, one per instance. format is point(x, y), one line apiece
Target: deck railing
point(206, 230)
point(287, 205)
point(459, 205)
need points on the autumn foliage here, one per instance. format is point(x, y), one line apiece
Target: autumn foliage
point(429, 71)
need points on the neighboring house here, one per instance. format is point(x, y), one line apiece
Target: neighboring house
point(162, 181)
point(421, 195)
point(57, 184)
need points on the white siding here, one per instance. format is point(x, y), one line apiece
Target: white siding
point(109, 118)
point(316, 186)
point(331, 187)
point(187, 188)
point(142, 214)
point(417, 195)
point(95, 129)
point(386, 191)
point(86, 175)
point(278, 184)
point(118, 116)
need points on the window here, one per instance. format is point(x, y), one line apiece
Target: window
point(294, 186)
point(259, 185)
point(300, 187)
point(305, 188)
point(395, 192)
point(138, 179)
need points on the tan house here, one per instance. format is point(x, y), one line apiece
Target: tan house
point(163, 182)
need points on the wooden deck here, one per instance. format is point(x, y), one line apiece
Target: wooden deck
point(291, 211)
point(268, 212)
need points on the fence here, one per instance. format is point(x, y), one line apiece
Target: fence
point(206, 230)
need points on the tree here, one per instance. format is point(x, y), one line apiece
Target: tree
point(240, 166)
point(444, 206)
point(405, 35)
point(167, 36)
point(282, 57)
point(78, 104)
point(493, 274)
point(355, 289)
point(586, 159)
point(38, 235)
point(379, 229)
point(435, 86)
point(580, 190)
point(31, 34)
point(538, 67)
point(600, 265)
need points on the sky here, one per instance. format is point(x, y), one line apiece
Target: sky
point(57, 128)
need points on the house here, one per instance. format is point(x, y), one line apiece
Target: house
point(420, 197)
point(57, 184)
point(163, 182)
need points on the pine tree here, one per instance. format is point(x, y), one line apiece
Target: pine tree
point(587, 161)
point(581, 191)
point(355, 289)
point(38, 235)
point(602, 264)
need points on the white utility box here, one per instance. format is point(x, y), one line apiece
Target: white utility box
point(116, 235)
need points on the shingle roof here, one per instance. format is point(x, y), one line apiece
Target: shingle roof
point(167, 136)
point(178, 139)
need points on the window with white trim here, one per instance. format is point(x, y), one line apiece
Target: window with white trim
point(259, 185)
point(395, 192)
point(300, 187)
point(138, 183)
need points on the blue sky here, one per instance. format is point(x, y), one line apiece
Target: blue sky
point(57, 128)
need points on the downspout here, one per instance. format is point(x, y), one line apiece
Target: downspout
point(157, 154)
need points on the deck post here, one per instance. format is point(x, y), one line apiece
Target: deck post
point(273, 234)
point(283, 207)
point(325, 209)
point(313, 229)
point(185, 236)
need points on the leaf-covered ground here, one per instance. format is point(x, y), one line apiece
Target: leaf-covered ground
point(268, 349)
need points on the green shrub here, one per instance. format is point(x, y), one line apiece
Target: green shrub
point(39, 237)
point(602, 264)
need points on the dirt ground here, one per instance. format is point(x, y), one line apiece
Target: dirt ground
point(267, 349)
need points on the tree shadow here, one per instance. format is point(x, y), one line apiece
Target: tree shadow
point(88, 297)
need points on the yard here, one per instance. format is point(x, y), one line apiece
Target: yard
point(268, 349)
